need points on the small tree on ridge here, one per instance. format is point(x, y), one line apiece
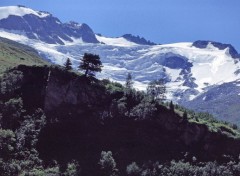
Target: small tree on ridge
point(68, 64)
point(129, 83)
point(90, 63)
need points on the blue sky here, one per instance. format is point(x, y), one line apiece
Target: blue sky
point(161, 21)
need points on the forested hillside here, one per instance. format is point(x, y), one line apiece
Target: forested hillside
point(55, 121)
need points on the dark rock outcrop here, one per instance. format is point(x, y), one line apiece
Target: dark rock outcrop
point(137, 40)
point(175, 61)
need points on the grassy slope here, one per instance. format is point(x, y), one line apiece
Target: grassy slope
point(213, 124)
point(13, 54)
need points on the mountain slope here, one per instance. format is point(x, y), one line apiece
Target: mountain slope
point(222, 101)
point(13, 54)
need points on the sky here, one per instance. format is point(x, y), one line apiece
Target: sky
point(161, 21)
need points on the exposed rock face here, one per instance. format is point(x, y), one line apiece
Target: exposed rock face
point(82, 31)
point(52, 88)
point(73, 93)
point(175, 61)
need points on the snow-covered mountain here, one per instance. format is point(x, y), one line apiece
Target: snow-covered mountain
point(190, 69)
point(43, 26)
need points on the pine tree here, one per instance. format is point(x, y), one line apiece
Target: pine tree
point(185, 116)
point(157, 90)
point(90, 63)
point(129, 93)
point(171, 106)
point(68, 64)
point(129, 82)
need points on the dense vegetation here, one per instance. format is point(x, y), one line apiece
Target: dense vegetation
point(56, 122)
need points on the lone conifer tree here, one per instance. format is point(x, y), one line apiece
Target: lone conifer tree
point(68, 64)
point(129, 82)
point(157, 90)
point(90, 63)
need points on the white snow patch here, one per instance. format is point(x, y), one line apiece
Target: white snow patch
point(177, 45)
point(35, 35)
point(5, 12)
point(13, 35)
point(173, 73)
point(75, 41)
point(50, 52)
point(211, 47)
point(58, 22)
point(191, 97)
point(140, 86)
point(120, 41)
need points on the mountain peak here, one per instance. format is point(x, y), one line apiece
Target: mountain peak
point(20, 10)
point(39, 25)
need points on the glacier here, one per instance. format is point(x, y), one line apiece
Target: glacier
point(188, 70)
